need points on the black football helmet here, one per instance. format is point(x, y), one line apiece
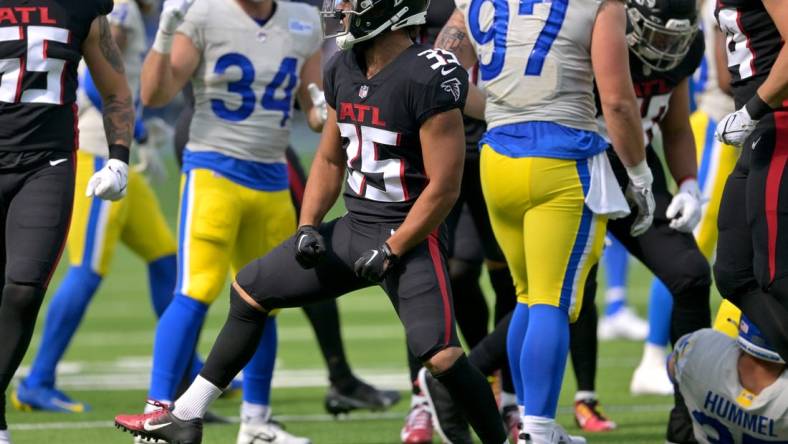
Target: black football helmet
point(660, 32)
point(354, 21)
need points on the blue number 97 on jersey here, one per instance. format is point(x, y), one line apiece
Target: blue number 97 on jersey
point(497, 33)
point(286, 78)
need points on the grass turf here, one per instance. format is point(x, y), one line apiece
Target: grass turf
point(111, 349)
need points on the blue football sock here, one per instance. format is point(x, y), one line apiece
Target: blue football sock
point(162, 274)
point(514, 345)
point(616, 260)
point(660, 307)
point(259, 372)
point(176, 340)
point(64, 315)
point(543, 359)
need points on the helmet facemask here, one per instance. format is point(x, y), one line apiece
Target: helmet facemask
point(660, 47)
point(354, 21)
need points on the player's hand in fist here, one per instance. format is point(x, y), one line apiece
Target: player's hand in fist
point(310, 246)
point(640, 197)
point(684, 210)
point(374, 264)
point(734, 128)
point(109, 183)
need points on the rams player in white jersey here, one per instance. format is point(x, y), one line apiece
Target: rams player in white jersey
point(734, 387)
point(98, 226)
point(543, 168)
point(248, 60)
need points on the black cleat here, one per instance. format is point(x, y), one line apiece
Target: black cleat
point(162, 425)
point(449, 421)
point(361, 397)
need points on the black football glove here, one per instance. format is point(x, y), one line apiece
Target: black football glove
point(374, 264)
point(310, 246)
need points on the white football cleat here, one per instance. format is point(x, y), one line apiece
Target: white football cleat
point(650, 379)
point(267, 432)
point(555, 435)
point(624, 324)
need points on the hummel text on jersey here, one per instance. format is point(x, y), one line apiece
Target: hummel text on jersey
point(361, 114)
point(23, 15)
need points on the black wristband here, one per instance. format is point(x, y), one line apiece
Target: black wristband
point(757, 108)
point(120, 152)
point(393, 258)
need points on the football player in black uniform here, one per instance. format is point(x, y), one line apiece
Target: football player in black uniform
point(751, 269)
point(395, 130)
point(665, 50)
point(41, 45)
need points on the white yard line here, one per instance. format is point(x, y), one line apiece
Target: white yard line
point(361, 417)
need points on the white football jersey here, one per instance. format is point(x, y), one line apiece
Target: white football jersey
point(535, 59)
point(126, 15)
point(722, 410)
point(246, 82)
point(711, 99)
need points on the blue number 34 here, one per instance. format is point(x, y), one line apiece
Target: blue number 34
point(500, 27)
point(285, 78)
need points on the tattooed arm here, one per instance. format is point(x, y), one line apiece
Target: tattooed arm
point(453, 37)
point(106, 67)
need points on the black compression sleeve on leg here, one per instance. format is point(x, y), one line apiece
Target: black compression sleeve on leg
point(471, 391)
point(505, 294)
point(470, 307)
point(18, 312)
point(236, 343)
point(324, 317)
point(414, 365)
point(583, 342)
point(490, 354)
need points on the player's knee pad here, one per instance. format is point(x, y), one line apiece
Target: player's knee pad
point(241, 309)
point(689, 272)
point(22, 301)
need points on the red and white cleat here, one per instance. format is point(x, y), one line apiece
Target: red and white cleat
point(418, 425)
point(590, 418)
point(163, 425)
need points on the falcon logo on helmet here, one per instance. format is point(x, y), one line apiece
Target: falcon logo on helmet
point(752, 342)
point(661, 32)
point(354, 21)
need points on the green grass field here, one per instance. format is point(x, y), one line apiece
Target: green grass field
point(108, 367)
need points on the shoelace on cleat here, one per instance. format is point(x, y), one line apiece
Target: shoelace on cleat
point(420, 417)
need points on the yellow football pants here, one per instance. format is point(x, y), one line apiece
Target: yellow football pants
point(548, 235)
point(97, 225)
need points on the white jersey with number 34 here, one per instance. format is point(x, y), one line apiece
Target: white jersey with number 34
point(248, 75)
point(535, 59)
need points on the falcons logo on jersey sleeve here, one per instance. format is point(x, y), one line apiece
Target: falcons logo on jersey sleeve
point(452, 86)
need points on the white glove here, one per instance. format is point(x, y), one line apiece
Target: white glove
point(640, 197)
point(172, 15)
point(109, 183)
point(734, 128)
point(319, 101)
point(684, 210)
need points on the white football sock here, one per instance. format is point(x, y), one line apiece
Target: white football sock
point(537, 425)
point(5, 437)
point(195, 401)
point(417, 400)
point(585, 395)
point(255, 413)
point(615, 294)
point(653, 355)
point(508, 399)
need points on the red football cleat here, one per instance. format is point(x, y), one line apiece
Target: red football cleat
point(418, 426)
point(590, 418)
point(163, 425)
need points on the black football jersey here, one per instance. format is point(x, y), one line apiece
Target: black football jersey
point(752, 42)
point(654, 88)
point(40, 49)
point(379, 120)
